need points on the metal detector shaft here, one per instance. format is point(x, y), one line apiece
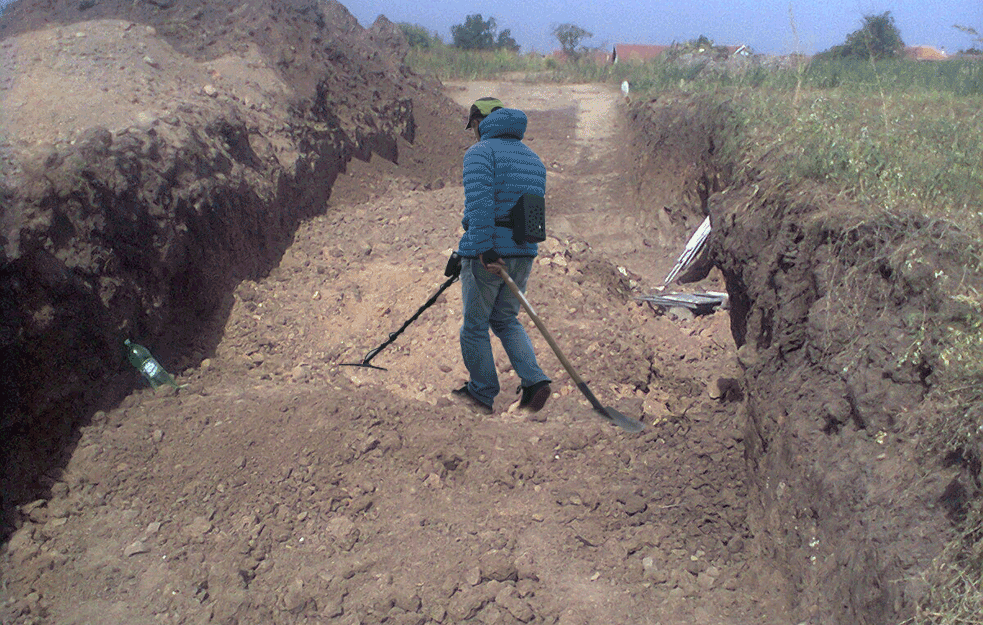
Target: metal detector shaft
point(612, 415)
point(394, 335)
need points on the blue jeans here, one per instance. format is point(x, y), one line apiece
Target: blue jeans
point(488, 303)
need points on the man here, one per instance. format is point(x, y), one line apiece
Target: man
point(498, 169)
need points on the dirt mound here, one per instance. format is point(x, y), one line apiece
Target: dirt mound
point(149, 166)
point(261, 192)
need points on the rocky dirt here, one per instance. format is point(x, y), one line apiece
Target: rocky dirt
point(281, 486)
point(179, 164)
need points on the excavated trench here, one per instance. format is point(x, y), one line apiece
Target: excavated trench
point(141, 224)
point(826, 303)
point(835, 312)
point(841, 503)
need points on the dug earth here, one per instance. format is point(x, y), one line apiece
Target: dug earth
point(262, 191)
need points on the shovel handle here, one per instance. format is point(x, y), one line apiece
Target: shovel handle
point(612, 415)
point(542, 327)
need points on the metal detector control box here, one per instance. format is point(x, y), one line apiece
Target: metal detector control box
point(527, 219)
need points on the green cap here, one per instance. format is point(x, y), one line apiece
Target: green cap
point(483, 107)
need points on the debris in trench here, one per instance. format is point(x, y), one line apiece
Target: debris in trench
point(693, 257)
point(699, 303)
point(691, 266)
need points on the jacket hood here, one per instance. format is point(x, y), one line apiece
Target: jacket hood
point(504, 122)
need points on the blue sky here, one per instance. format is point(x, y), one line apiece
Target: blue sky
point(765, 25)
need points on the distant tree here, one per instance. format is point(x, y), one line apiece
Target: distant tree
point(476, 33)
point(702, 44)
point(570, 36)
point(976, 38)
point(419, 37)
point(702, 47)
point(970, 31)
point(878, 38)
point(506, 42)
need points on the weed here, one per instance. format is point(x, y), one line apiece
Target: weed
point(448, 63)
point(956, 581)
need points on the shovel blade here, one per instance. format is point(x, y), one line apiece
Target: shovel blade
point(623, 421)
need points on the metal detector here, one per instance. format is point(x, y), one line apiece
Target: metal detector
point(393, 335)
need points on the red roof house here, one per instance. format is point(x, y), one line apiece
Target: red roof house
point(637, 53)
point(924, 53)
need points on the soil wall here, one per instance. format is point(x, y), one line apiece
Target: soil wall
point(140, 225)
point(837, 313)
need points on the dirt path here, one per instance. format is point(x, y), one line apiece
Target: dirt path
point(280, 487)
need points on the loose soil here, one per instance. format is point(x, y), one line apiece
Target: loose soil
point(280, 485)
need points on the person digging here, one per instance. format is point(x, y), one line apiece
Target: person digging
point(498, 170)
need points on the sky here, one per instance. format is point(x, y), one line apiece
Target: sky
point(765, 25)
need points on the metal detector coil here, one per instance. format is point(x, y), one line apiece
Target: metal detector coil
point(454, 272)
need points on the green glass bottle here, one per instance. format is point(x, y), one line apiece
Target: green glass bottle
point(141, 358)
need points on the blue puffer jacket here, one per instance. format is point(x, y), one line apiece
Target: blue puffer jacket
point(497, 170)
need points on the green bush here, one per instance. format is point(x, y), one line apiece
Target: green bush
point(419, 37)
point(878, 39)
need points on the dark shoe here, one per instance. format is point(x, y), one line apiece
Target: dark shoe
point(476, 403)
point(534, 397)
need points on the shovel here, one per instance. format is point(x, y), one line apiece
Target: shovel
point(612, 415)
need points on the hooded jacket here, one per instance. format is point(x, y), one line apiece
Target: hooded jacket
point(497, 171)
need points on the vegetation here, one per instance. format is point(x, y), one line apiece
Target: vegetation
point(878, 39)
point(702, 46)
point(977, 38)
point(449, 63)
point(570, 37)
point(419, 37)
point(477, 33)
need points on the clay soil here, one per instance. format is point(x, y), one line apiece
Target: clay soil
point(280, 486)
point(301, 187)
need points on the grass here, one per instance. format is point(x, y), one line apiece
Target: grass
point(956, 582)
point(896, 137)
point(922, 152)
point(955, 77)
point(900, 134)
point(448, 63)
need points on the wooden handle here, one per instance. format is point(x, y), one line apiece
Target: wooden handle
point(542, 328)
point(612, 415)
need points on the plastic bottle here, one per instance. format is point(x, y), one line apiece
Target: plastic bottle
point(141, 358)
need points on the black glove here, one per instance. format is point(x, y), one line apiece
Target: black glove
point(453, 268)
point(489, 257)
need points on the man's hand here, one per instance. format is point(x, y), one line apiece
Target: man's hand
point(492, 261)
